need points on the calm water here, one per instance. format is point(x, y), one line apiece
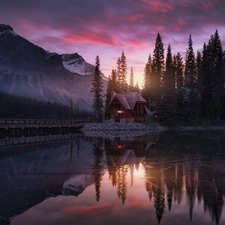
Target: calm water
point(165, 178)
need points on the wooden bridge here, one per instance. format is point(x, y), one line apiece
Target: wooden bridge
point(16, 127)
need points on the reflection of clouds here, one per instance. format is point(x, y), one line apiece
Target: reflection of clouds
point(136, 210)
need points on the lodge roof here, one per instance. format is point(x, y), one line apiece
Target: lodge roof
point(127, 99)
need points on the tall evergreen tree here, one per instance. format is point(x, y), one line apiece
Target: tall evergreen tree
point(146, 92)
point(167, 105)
point(199, 71)
point(212, 80)
point(123, 66)
point(97, 90)
point(131, 84)
point(218, 79)
point(178, 64)
point(191, 84)
point(119, 75)
point(190, 70)
point(157, 69)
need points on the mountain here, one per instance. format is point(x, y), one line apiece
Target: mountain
point(29, 70)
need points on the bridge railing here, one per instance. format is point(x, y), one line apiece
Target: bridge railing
point(20, 122)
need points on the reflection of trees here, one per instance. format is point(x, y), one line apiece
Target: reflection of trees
point(122, 183)
point(97, 169)
point(200, 180)
point(154, 187)
point(176, 165)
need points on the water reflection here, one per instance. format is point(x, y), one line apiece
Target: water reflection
point(166, 178)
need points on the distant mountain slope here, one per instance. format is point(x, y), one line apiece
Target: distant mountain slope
point(29, 70)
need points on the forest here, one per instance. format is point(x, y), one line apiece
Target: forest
point(26, 108)
point(180, 92)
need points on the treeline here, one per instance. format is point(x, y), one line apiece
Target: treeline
point(179, 91)
point(12, 106)
point(190, 91)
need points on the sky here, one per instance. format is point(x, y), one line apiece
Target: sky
point(108, 27)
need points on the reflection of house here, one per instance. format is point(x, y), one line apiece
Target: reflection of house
point(127, 107)
point(116, 146)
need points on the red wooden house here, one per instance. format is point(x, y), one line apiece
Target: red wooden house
point(127, 107)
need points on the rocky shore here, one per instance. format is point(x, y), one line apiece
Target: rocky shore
point(109, 129)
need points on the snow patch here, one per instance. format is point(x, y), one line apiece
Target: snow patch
point(76, 66)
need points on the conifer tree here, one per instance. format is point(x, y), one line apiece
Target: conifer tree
point(167, 104)
point(199, 71)
point(157, 69)
point(131, 85)
point(212, 80)
point(97, 90)
point(218, 79)
point(146, 92)
point(178, 63)
point(190, 70)
point(119, 75)
point(123, 66)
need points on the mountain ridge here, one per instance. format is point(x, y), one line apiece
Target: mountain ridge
point(29, 70)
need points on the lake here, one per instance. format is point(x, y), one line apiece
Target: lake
point(172, 177)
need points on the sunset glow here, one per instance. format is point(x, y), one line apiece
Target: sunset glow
point(106, 28)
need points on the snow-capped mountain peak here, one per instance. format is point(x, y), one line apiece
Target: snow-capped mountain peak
point(76, 64)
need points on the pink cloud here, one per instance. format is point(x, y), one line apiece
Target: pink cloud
point(90, 37)
point(158, 6)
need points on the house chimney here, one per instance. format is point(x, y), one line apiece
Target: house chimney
point(113, 93)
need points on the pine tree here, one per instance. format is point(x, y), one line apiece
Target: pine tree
point(123, 72)
point(146, 92)
point(119, 75)
point(131, 85)
point(212, 80)
point(167, 104)
point(190, 70)
point(97, 90)
point(218, 79)
point(157, 70)
point(191, 84)
point(178, 63)
point(199, 71)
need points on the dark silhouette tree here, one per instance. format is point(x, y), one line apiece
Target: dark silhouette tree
point(157, 70)
point(131, 84)
point(178, 71)
point(167, 104)
point(97, 90)
point(190, 69)
point(146, 92)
